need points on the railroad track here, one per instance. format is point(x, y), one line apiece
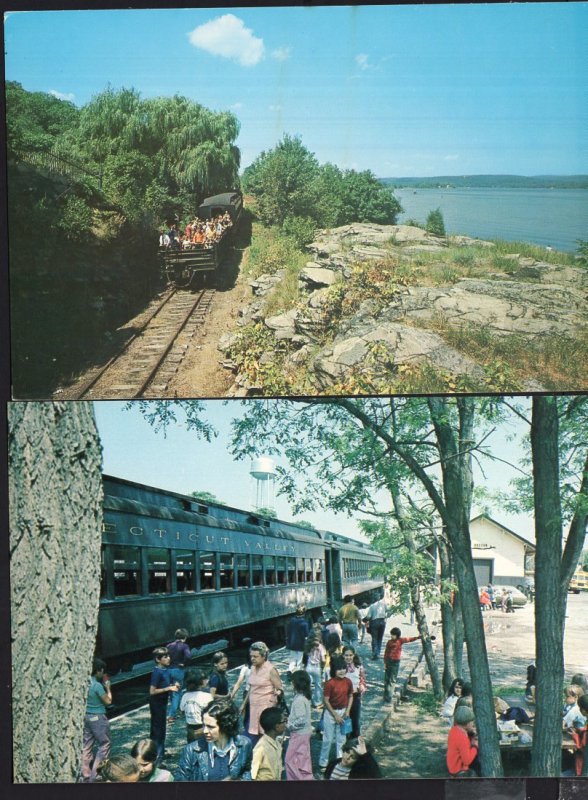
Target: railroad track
point(151, 356)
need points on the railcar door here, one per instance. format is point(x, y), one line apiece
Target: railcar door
point(334, 581)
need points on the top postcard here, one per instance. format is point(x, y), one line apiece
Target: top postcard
point(297, 201)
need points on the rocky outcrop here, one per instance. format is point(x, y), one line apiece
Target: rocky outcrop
point(532, 299)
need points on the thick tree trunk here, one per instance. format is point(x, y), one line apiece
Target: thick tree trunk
point(459, 635)
point(55, 493)
point(457, 490)
point(549, 603)
point(447, 620)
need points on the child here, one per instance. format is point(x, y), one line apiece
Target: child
point(580, 737)
point(96, 727)
point(392, 655)
point(119, 769)
point(267, 753)
point(218, 683)
point(462, 744)
point(571, 710)
point(194, 702)
point(453, 696)
point(531, 680)
point(356, 762)
point(145, 754)
point(314, 658)
point(159, 688)
point(298, 761)
point(338, 697)
point(356, 674)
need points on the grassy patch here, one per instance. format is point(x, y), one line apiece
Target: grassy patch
point(425, 701)
point(556, 361)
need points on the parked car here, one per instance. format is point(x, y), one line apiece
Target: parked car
point(518, 598)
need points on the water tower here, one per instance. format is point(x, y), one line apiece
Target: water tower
point(263, 471)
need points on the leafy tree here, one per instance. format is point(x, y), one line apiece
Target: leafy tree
point(435, 223)
point(365, 199)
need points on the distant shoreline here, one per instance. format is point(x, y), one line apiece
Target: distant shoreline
point(489, 182)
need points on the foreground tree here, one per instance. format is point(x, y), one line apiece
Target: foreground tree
point(55, 494)
point(555, 565)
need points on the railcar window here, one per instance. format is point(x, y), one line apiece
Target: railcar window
point(300, 569)
point(226, 570)
point(270, 570)
point(159, 571)
point(242, 567)
point(308, 569)
point(207, 568)
point(185, 571)
point(318, 569)
point(257, 570)
point(281, 569)
point(291, 567)
point(127, 571)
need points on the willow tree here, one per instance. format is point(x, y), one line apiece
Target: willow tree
point(55, 495)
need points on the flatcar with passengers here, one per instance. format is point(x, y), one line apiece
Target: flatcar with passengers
point(184, 263)
point(172, 561)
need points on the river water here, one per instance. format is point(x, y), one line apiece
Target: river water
point(546, 217)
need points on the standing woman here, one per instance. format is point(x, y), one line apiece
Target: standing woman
point(222, 754)
point(218, 684)
point(265, 686)
point(356, 674)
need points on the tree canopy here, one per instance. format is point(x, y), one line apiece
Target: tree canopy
point(289, 182)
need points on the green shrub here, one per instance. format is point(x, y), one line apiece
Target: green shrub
point(301, 229)
point(435, 223)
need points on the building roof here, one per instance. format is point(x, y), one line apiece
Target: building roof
point(526, 542)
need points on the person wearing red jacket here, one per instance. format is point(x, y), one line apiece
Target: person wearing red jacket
point(392, 655)
point(462, 744)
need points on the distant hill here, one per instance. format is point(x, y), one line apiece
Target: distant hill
point(491, 182)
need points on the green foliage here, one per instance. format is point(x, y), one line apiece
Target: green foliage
point(75, 221)
point(301, 229)
point(267, 512)
point(582, 251)
point(35, 120)
point(206, 497)
point(435, 223)
point(289, 182)
point(272, 250)
point(425, 701)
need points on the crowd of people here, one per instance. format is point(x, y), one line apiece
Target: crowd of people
point(241, 732)
point(197, 233)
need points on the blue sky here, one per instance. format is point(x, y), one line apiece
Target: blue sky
point(181, 462)
point(400, 90)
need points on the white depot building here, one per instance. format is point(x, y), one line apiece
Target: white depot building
point(500, 555)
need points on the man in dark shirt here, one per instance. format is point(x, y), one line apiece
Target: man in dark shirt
point(296, 633)
point(180, 655)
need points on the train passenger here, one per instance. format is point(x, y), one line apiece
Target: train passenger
point(119, 769)
point(265, 686)
point(376, 619)
point(333, 626)
point(159, 689)
point(194, 701)
point(314, 659)
point(356, 763)
point(218, 683)
point(180, 655)
point(96, 727)
point(145, 754)
point(298, 760)
point(198, 237)
point(356, 674)
point(266, 764)
point(338, 697)
point(350, 620)
point(222, 754)
point(296, 633)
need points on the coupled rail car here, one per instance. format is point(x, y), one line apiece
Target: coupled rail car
point(182, 267)
point(171, 561)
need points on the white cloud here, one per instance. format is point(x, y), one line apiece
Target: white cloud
point(282, 53)
point(362, 61)
point(451, 158)
point(228, 37)
point(275, 108)
point(61, 96)
point(236, 106)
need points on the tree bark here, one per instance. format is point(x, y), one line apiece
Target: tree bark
point(450, 671)
point(551, 578)
point(55, 494)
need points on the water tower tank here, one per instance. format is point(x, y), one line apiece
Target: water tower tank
point(263, 468)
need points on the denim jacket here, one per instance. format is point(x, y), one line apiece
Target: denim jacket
point(194, 763)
